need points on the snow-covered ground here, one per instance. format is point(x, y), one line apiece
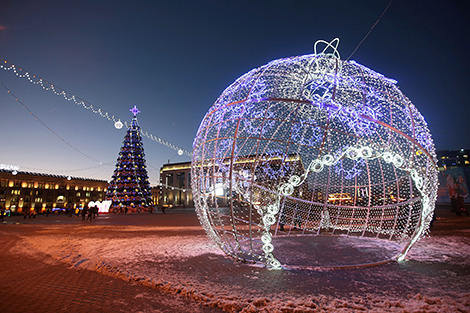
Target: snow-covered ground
point(181, 259)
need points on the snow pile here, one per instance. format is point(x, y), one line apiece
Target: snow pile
point(455, 249)
point(181, 260)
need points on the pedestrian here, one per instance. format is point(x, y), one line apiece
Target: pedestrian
point(2, 213)
point(461, 206)
point(89, 216)
point(282, 220)
point(84, 212)
point(297, 220)
point(453, 203)
point(69, 207)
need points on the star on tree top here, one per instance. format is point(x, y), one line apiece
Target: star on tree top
point(134, 110)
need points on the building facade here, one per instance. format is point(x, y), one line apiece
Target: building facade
point(454, 175)
point(175, 181)
point(452, 158)
point(22, 192)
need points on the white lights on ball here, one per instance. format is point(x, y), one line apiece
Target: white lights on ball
point(317, 144)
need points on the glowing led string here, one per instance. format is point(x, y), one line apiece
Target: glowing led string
point(85, 104)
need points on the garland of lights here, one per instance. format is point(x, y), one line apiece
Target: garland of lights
point(85, 104)
point(317, 143)
point(47, 127)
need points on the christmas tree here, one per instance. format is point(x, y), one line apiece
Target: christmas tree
point(129, 188)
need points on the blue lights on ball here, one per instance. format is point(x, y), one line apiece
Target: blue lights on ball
point(317, 144)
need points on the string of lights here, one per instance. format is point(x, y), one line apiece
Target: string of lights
point(47, 127)
point(34, 79)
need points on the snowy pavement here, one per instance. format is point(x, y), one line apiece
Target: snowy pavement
point(171, 253)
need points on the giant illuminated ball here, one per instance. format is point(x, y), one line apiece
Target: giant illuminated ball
point(312, 146)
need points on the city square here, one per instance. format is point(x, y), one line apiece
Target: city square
point(165, 263)
point(244, 156)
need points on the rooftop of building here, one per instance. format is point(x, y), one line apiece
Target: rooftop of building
point(16, 173)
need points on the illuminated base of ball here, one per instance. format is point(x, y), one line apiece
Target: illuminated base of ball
point(331, 251)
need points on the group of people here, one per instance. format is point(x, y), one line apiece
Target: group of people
point(3, 213)
point(89, 213)
point(457, 189)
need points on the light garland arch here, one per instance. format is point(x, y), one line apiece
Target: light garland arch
point(44, 84)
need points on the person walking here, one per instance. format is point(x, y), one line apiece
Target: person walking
point(70, 208)
point(95, 211)
point(84, 212)
point(89, 216)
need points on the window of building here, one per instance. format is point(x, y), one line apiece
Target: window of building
point(15, 192)
point(38, 200)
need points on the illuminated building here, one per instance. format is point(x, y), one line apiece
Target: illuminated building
point(452, 158)
point(20, 191)
point(175, 180)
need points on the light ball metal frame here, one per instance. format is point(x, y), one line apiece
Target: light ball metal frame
point(317, 144)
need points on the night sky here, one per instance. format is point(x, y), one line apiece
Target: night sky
point(173, 59)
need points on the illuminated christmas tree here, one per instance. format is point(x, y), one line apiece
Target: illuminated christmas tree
point(129, 188)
